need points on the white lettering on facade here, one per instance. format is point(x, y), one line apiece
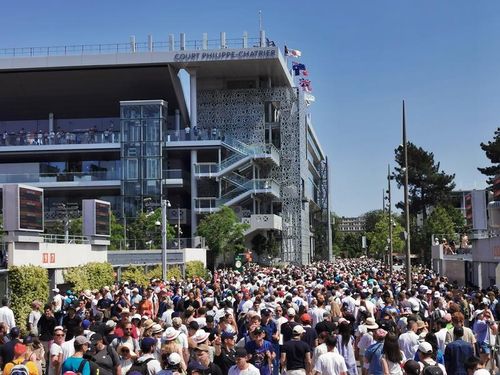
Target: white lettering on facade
point(225, 55)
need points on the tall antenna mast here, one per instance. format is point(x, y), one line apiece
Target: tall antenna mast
point(260, 20)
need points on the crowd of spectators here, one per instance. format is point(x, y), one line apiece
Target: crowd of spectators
point(350, 316)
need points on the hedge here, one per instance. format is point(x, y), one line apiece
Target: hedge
point(27, 283)
point(93, 275)
point(196, 268)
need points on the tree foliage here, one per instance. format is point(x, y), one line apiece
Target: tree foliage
point(196, 268)
point(94, 275)
point(378, 237)
point(371, 219)
point(135, 274)
point(492, 150)
point(144, 233)
point(28, 283)
point(443, 221)
point(223, 232)
point(427, 185)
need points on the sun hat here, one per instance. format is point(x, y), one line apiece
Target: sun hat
point(370, 323)
point(148, 323)
point(170, 334)
point(200, 336)
point(156, 328)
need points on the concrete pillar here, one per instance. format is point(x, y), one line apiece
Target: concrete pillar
point(132, 43)
point(150, 43)
point(51, 122)
point(223, 40)
point(262, 38)
point(182, 41)
point(479, 275)
point(194, 190)
point(171, 42)
point(193, 98)
point(177, 122)
point(204, 43)
point(245, 39)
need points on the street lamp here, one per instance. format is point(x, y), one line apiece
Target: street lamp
point(391, 249)
point(164, 206)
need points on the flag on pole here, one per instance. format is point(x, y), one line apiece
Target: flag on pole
point(309, 98)
point(305, 84)
point(297, 68)
point(292, 52)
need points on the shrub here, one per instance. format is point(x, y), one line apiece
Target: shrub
point(196, 268)
point(174, 272)
point(93, 275)
point(27, 283)
point(135, 273)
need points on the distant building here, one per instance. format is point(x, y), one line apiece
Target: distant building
point(352, 224)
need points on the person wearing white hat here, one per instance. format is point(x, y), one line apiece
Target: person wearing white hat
point(171, 345)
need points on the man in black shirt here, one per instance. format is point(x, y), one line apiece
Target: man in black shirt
point(296, 354)
point(287, 327)
point(70, 322)
point(225, 351)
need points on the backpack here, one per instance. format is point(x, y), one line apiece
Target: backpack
point(431, 369)
point(20, 369)
point(80, 369)
point(139, 368)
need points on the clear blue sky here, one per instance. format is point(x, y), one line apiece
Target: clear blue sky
point(364, 57)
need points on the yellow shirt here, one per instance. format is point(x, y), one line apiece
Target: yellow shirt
point(30, 365)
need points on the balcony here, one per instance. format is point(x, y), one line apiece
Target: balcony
point(59, 138)
point(174, 177)
point(263, 222)
point(64, 179)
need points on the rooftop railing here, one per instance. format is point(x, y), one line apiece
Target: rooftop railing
point(133, 47)
point(59, 138)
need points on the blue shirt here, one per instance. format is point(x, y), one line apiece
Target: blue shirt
point(73, 363)
point(373, 354)
point(455, 354)
point(259, 358)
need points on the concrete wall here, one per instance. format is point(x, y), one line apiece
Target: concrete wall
point(53, 255)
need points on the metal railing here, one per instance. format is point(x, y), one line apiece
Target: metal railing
point(59, 138)
point(173, 173)
point(155, 244)
point(60, 177)
point(131, 47)
point(61, 238)
point(453, 243)
point(206, 203)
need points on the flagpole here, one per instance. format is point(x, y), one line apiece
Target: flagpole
point(260, 20)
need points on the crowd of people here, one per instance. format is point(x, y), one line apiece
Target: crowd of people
point(58, 137)
point(347, 317)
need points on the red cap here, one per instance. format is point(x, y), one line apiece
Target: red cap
point(306, 318)
point(19, 349)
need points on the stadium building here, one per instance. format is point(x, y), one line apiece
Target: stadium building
point(201, 123)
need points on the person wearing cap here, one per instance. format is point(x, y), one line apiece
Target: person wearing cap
point(242, 366)
point(310, 336)
point(296, 354)
point(261, 351)
point(484, 328)
point(172, 345)
point(55, 355)
point(148, 348)
point(456, 352)
point(202, 357)
point(373, 353)
point(225, 352)
point(425, 353)
point(331, 362)
point(20, 358)
point(287, 327)
point(76, 362)
point(105, 356)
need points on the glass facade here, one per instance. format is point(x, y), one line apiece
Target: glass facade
point(142, 126)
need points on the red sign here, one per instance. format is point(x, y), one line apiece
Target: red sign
point(45, 258)
point(52, 257)
point(48, 258)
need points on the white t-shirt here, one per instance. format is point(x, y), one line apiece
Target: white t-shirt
point(330, 363)
point(68, 348)
point(251, 370)
point(55, 350)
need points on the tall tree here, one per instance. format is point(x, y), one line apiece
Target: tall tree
point(145, 233)
point(379, 236)
point(492, 150)
point(372, 218)
point(223, 232)
point(439, 223)
point(427, 185)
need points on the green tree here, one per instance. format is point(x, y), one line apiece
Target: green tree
point(117, 236)
point(144, 233)
point(351, 245)
point(28, 283)
point(492, 150)
point(94, 275)
point(196, 268)
point(439, 223)
point(379, 236)
point(427, 185)
point(223, 232)
point(371, 219)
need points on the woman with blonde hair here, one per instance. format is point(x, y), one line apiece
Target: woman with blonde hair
point(35, 351)
point(172, 345)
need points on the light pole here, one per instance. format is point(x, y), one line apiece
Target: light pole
point(407, 203)
point(389, 210)
point(164, 206)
